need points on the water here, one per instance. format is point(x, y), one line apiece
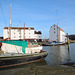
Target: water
point(60, 54)
point(57, 55)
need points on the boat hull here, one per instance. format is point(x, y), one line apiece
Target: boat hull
point(19, 60)
point(53, 44)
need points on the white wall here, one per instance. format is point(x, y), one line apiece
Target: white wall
point(38, 36)
point(53, 34)
point(5, 34)
point(62, 36)
point(19, 34)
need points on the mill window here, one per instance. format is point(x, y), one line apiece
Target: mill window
point(54, 31)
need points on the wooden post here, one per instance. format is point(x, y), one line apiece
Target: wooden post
point(68, 42)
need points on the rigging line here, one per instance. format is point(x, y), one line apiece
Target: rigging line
point(3, 14)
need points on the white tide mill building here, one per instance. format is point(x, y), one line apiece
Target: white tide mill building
point(21, 33)
point(56, 34)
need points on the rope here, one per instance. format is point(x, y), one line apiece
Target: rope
point(3, 14)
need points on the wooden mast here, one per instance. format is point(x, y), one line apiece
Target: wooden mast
point(10, 24)
point(57, 28)
point(24, 31)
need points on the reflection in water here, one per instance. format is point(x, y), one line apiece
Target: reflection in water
point(57, 54)
point(68, 60)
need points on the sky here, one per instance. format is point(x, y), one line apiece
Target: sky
point(40, 14)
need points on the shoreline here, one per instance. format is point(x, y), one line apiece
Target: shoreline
point(40, 70)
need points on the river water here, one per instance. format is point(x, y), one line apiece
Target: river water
point(60, 54)
point(57, 55)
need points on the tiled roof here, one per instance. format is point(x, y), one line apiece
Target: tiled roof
point(20, 28)
point(61, 29)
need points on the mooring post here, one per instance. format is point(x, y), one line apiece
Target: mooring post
point(68, 42)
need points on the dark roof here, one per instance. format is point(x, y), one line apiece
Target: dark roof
point(19, 28)
point(37, 32)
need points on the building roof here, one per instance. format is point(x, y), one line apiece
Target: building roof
point(58, 27)
point(37, 32)
point(61, 29)
point(20, 28)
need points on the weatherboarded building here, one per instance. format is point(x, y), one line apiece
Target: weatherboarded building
point(56, 34)
point(17, 33)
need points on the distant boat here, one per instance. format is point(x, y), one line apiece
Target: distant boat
point(53, 44)
point(17, 52)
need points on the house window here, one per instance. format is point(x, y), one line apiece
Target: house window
point(54, 31)
point(54, 28)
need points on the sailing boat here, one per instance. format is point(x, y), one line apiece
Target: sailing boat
point(18, 52)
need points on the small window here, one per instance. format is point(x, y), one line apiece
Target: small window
point(54, 31)
point(54, 28)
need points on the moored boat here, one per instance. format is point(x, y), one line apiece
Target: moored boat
point(17, 52)
point(53, 44)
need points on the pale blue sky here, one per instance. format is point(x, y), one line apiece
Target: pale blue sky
point(40, 14)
